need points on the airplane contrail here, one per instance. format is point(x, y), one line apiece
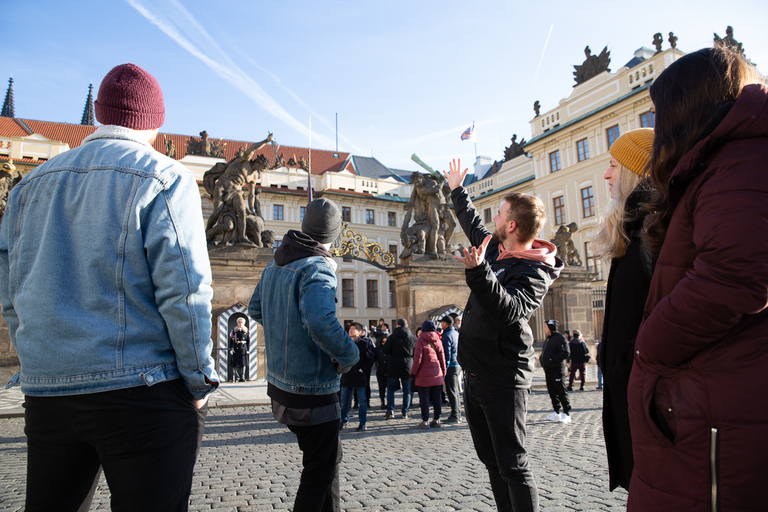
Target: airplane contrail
point(229, 72)
point(541, 59)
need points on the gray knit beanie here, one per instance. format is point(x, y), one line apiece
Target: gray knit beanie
point(322, 221)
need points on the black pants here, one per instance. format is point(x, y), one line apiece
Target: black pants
point(452, 388)
point(427, 395)
point(556, 388)
point(319, 485)
point(146, 439)
point(496, 418)
point(381, 379)
point(582, 371)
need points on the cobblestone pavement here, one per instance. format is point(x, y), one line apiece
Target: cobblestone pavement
point(249, 462)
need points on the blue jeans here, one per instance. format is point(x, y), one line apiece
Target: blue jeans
point(391, 385)
point(346, 403)
point(599, 377)
point(496, 418)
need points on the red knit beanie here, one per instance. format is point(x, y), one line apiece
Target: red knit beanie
point(130, 97)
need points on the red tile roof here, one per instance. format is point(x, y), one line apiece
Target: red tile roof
point(73, 134)
point(11, 127)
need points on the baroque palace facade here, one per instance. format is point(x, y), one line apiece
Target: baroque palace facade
point(563, 164)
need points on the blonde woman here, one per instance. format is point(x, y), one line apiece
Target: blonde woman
point(619, 240)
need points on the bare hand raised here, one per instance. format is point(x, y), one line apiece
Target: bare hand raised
point(474, 256)
point(454, 175)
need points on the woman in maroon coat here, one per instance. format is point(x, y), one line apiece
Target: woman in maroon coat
point(698, 413)
point(429, 372)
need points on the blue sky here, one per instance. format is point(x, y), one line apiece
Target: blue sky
point(404, 77)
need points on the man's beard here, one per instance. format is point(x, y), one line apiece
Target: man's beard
point(500, 235)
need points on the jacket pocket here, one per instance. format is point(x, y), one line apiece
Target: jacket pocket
point(658, 426)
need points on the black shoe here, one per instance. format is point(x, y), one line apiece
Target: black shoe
point(453, 419)
point(435, 424)
point(361, 427)
point(599, 387)
point(405, 415)
point(342, 425)
point(389, 416)
point(569, 388)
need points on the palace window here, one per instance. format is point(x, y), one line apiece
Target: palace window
point(277, 212)
point(370, 217)
point(487, 217)
point(647, 120)
point(582, 147)
point(558, 204)
point(588, 202)
point(347, 293)
point(346, 214)
point(554, 161)
point(613, 134)
point(392, 295)
point(372, 293)
point(302, 211)
point(393, 250)
point(391, 219)
point(594, 264)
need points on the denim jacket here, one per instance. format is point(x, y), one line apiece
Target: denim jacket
point(295, 301)
point(104, 271)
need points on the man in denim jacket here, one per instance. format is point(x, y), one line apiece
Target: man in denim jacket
point(105, 285)
point(307, 349)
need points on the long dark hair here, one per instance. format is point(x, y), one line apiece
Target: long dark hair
point(686, 96)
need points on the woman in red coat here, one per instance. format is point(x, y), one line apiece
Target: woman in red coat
point(429, 372)
point(698, 413)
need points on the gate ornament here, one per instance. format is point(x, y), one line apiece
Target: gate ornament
point(354, 245)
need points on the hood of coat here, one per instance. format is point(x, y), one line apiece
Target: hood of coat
point(746, 118)
point(429, 337)
point(297, 245)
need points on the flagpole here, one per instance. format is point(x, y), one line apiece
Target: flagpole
point(309, 166)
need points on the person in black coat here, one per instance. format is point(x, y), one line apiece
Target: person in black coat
point(578, 359)
point(553, 356)
point(619, 238)
point(381, 363)
point(240, 342)
point(355, 380)
point(399, 351)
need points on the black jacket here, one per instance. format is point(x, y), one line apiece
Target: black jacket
point(579, 351)
point(626, 292)
point(359, 374)
point(554, 352)
point(495, 341)
point(399, 351)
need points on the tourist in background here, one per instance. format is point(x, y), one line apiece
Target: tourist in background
point(429, 373)
point(554, 353)
point(450, 341)
point(698, 414)
point(578, 358)
point(399, 352)
point(353, 382)
point(619, 241)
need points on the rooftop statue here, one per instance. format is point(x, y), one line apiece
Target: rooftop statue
point(672, 40)
point(658, 39)
point(592, 66)
point(205, 146)
point(730, 42)
point(515, 149)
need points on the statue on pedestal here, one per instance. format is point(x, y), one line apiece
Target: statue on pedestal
point(205, 146)
point(433, 222)
point(232, 214)
point(566, 249)
point(592, 65)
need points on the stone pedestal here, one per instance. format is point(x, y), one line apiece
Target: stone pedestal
point(569, 301)
point(236, 272)
point(425, 285)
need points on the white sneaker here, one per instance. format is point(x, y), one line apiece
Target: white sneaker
point(555, 416)
point(564, 418)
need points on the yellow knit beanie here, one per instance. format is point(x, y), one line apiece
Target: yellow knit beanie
point(633, 150)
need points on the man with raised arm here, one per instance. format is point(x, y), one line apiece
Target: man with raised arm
point(508, 278)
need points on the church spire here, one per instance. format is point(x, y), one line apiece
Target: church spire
point(8, 103)
point(88, 117)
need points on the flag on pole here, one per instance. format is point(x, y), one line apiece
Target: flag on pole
point(469, 134)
